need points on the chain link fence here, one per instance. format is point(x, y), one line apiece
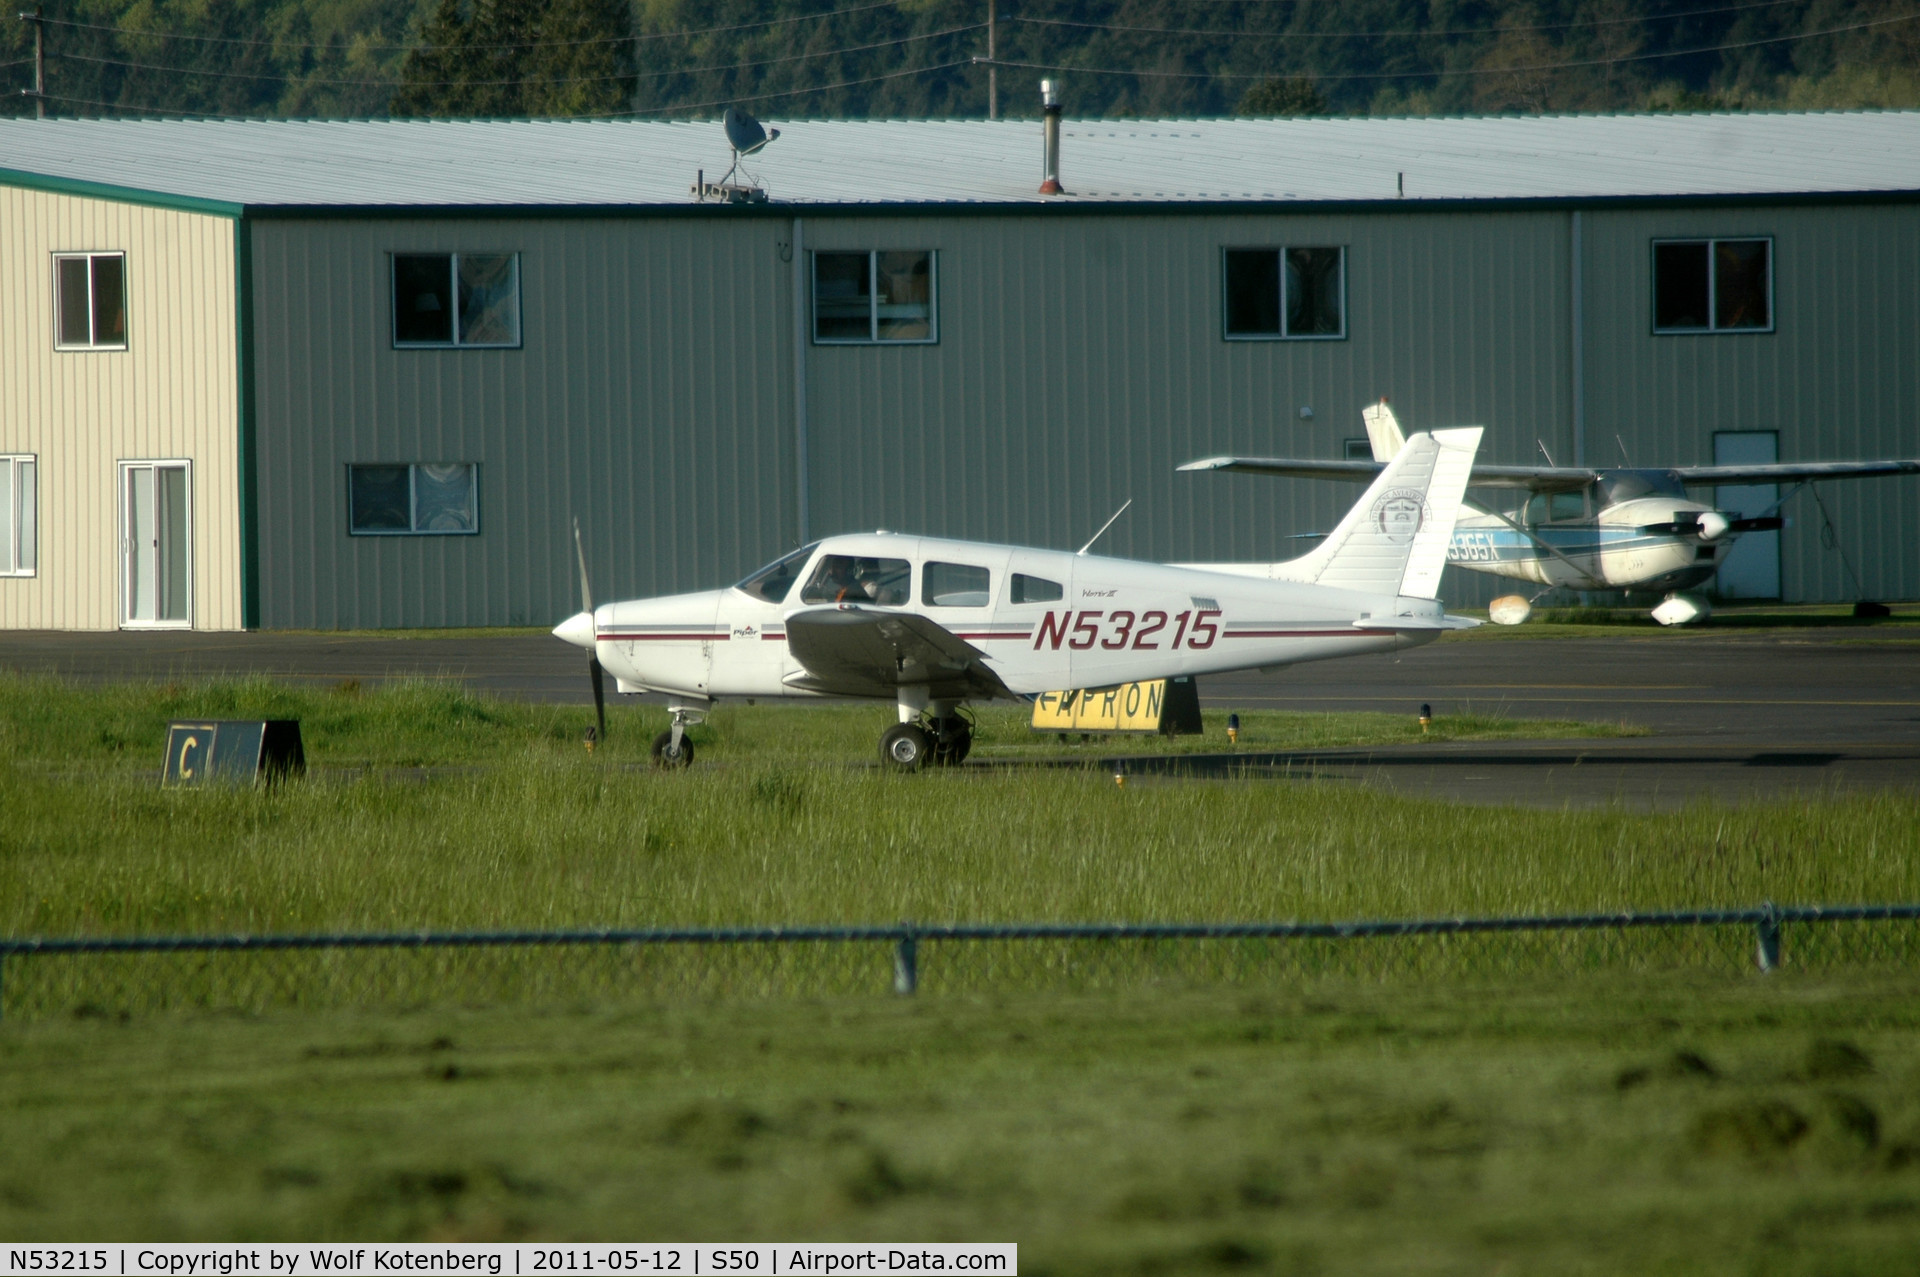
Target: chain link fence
point(105, 976)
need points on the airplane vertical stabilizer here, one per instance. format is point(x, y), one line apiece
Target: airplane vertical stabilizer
point(1383, 431)
point(1394, 540)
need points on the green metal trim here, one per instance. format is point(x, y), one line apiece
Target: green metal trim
point(248, 452)
point(119, 194)
point(1069, 208)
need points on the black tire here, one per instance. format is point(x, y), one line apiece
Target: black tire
point(905, 748)
point(951, 748)
point(664, 755)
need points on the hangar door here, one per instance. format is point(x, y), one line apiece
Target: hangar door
point(1752, 570)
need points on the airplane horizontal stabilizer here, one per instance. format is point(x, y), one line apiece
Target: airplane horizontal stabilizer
point(1442, 622)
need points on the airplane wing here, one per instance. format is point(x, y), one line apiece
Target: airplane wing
point(1787, 471)
point(854, 651)
point(1534, 478)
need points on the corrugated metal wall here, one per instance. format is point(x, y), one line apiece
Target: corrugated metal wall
point(1080, 360)
point(171, 394)
point(651, 399)
point(1839, 378)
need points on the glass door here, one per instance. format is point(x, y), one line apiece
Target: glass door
point(155, 544)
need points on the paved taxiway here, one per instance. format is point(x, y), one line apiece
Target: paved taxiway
point(1730, 713)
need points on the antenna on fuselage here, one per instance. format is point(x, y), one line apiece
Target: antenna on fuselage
point(1625, 460)
point(1103, 527)
point(1542, 445)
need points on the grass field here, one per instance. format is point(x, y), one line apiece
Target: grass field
point(1599, 1125)
point(1585, 1122)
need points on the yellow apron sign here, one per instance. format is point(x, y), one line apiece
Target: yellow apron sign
point(1169, 706)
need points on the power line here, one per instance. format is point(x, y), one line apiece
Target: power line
point(410, 48)
point(1405, 34)
point(565, 79)
point(604, 115)
point(788, 93)
point(1416, 75)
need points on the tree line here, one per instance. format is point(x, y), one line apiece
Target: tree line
point(917, 58)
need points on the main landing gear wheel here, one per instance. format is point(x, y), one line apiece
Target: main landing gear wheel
point(952, 741)
point(665, 755)
point(905, 747)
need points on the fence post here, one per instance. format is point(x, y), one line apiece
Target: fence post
point(906, 964)
point(1767, 935)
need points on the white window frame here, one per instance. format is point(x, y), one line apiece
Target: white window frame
point(1713, 286)
point(89, 257)
point(126, 533)
point(18, 520)
point(873, 337)
point(1280, 253)
point(453, 292)
point(413, 504)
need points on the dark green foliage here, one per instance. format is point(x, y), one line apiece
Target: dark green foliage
point(505, 59)
point(912, 58)
point(1295, 95)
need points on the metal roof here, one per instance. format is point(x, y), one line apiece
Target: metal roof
point(552, 163)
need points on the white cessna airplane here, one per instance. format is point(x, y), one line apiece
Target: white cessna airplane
point(1582, 529)
point(930, 623)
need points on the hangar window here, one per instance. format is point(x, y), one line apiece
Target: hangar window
point(17, 516)
point(456, 299)
point(955, 585)
point(876, 296)
point(1712, 285)
point(413, 500)
point(90, 301)
point(1034, 589)
point(1276, 294)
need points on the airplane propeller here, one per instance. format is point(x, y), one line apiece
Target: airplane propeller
point(594, 671)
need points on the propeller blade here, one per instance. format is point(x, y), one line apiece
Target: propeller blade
point(586, 591)
point(599, 694)
point(594, 671)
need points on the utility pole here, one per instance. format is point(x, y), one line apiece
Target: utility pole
point(993, 70)
point(39, 90)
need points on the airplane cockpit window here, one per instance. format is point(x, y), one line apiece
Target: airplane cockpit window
point(775, 581)
point(1034, 589)
point(1626, 485)
point(846, 578)
point(1566, 506)
point(1555, 507)
point(955, 585)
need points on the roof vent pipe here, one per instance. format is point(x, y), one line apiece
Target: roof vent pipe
point(1050, 101)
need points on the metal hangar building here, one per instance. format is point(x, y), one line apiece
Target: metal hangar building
point(312, 374)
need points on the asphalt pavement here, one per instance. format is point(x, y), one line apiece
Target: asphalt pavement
point(1730, 714)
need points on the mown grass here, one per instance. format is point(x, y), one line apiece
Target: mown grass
point(524, 828)
point(1598, 1125)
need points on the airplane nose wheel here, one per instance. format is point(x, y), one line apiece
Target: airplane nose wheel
point(671, 748)
point(905, 747)
point(668, 754)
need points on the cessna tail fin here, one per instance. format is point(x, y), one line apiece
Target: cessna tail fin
point(1394, 540)
point(1383, 431)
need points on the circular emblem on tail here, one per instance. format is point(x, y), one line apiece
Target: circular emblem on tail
point(1400, 513)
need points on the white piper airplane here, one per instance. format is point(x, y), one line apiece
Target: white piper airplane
point(930, 623)
point(1625, 529)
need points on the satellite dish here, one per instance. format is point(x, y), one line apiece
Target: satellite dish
point(744, 133)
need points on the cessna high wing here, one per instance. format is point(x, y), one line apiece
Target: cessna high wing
point(931, 624)
point(1582, 529)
